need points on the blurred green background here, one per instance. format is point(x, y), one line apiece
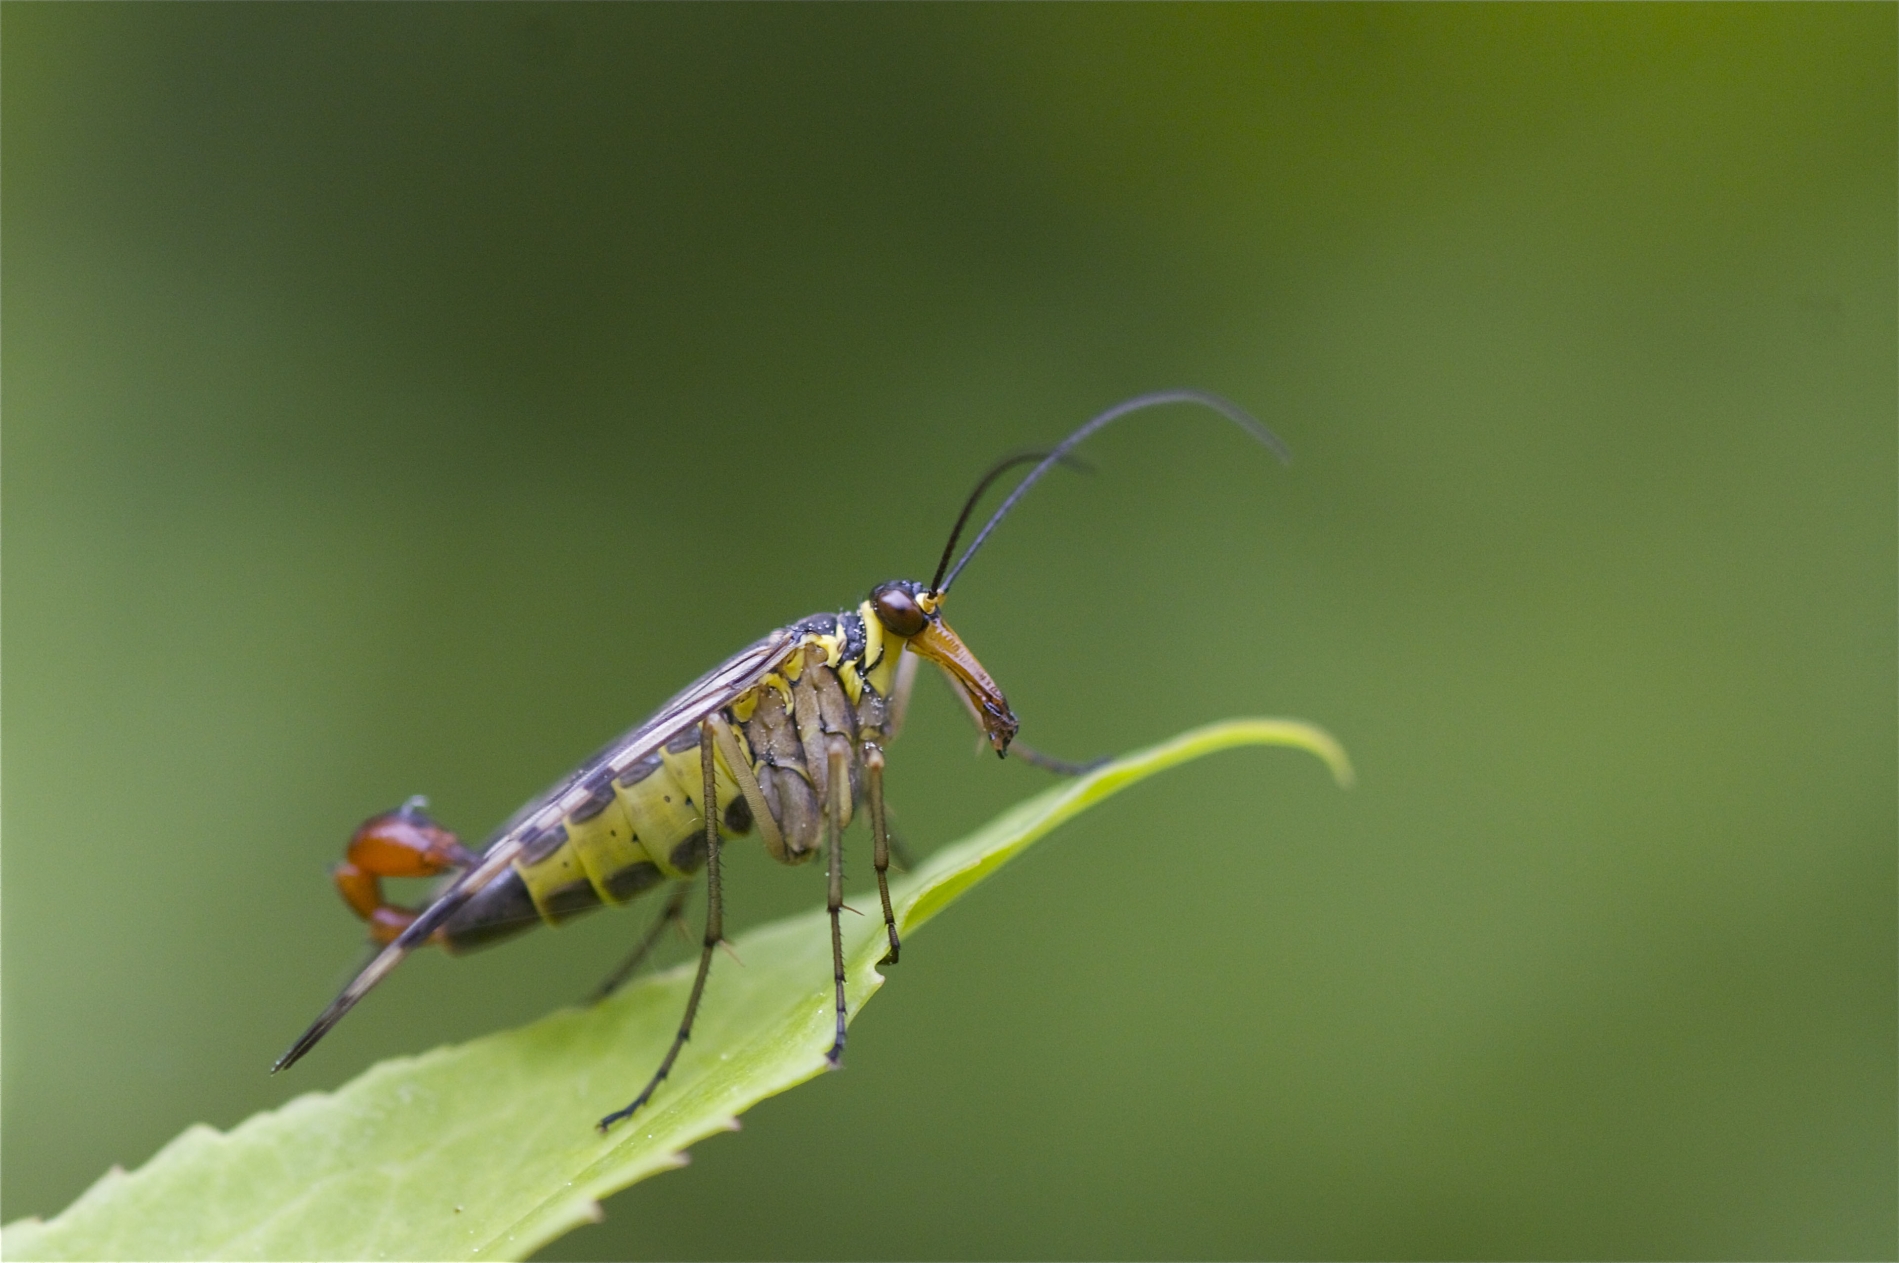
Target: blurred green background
point(406, 399)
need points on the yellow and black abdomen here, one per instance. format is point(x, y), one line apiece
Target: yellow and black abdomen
point(636, 829)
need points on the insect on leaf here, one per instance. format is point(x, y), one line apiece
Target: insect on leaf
point(381, 1168)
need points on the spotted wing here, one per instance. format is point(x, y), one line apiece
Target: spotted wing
point(717, 688)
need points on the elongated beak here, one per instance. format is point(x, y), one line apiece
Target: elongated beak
point(945, 648)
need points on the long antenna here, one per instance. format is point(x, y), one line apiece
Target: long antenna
point(969, 506)
point(1226, 408)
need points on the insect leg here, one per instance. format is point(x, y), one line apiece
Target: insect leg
point(838, 761)
point(715, 930)
point(672, 914)
point(767, 824)
point(1049, 763)
point(901, 858)
point(1019, 749)
point(880, 833)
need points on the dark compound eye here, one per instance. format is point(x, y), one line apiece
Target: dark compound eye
point(898, 610)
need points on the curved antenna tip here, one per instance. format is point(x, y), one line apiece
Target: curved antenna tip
point(1207, 399)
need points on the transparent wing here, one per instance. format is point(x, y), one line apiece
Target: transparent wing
point(715, 689)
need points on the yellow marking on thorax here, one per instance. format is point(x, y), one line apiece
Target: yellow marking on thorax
point(882, 676)
point(831, 642)
point(778, 684)
point(744, 705)
point(853, 683)
point(882, 649)
point(873, 634)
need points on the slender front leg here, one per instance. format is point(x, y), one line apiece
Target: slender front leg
point(715, 929)
point(880, 833)
point(838, 767)
point(1049, 763)
point(673, 913)
point(1017, 749)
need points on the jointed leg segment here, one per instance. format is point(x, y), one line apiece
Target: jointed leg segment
point(674, 913)
point(880, 835)
point(837, 760)
point(715, 930)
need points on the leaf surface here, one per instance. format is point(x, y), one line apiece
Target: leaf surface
point(487, 1149)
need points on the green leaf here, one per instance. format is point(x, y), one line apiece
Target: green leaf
point(488, 1150)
